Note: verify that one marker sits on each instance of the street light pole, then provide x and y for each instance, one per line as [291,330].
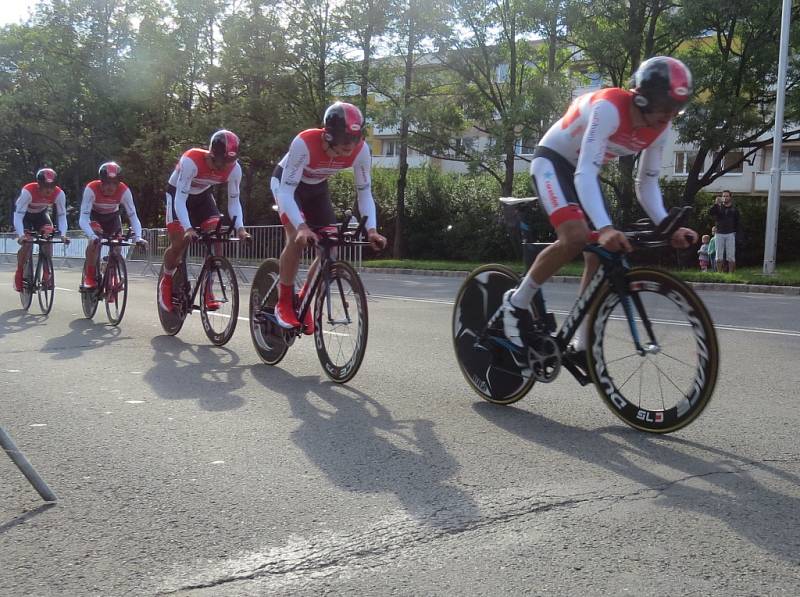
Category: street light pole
[774,199]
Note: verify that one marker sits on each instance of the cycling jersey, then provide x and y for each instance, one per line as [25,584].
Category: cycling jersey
[95,204]
[32,200]
[193,176]
[307,162]
[597,128]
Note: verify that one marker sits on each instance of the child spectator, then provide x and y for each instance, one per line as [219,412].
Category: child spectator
[712,249]
[703,253]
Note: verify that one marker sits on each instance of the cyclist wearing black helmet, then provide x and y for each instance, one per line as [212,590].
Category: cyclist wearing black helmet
[100,214]
[599,127]
[30,213]
[300,187]
[191,205]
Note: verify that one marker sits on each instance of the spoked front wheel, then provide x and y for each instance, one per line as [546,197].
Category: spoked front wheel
[668,386]
[490,364]
[116,291]
[89,298]
[172,321]
[268,339]
[219,301]
[28,283]
[340,323]
[45,283]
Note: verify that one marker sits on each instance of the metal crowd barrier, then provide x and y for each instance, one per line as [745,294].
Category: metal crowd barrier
[266,242]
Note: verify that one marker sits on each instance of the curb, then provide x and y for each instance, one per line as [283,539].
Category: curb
[715,286]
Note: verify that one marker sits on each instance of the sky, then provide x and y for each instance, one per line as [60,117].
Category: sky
[14,11]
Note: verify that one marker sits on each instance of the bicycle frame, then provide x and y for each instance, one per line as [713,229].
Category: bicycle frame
[209,240]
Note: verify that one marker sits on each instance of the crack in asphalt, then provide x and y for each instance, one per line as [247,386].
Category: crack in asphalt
[391,537]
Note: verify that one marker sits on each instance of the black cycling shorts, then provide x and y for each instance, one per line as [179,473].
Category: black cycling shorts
[37,221]
[314,201]
[201,207]
[109,224]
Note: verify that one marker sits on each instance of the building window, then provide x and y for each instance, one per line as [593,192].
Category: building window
[389,147]
[729,159]
[524,146]
[684,161]
[790,160]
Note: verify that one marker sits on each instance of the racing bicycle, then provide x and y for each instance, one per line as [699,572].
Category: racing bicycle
[215,287]
[42,281]
[652,348]
[337,297]
[111,282]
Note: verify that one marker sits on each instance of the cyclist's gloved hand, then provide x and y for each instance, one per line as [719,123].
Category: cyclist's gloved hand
[22,239]
[141,242]
[94,238]
[683,238]
[613,240]
[376,240]
[190,234]
[242,233]
[305,236]
[65,240]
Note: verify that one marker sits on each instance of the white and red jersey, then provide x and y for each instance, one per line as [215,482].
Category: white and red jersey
[597,128]
[32,200]
[308,162]
[193,175]
[95,200]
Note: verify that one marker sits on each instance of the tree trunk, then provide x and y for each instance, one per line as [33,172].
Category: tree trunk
[365,68]
[397,251]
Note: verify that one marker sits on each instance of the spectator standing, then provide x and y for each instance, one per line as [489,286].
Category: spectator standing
[727,219]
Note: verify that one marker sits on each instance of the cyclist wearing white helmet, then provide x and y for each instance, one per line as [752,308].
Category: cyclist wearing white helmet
[599,127]
[300,187]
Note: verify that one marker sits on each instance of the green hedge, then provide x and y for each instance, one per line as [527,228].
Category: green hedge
[458,217]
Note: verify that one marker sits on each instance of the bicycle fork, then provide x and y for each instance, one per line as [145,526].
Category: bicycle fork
[632,305]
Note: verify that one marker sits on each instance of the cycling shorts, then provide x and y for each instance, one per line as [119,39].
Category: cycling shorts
[106,224]
[201,207]
[314,201]
[39,222]
[554,181]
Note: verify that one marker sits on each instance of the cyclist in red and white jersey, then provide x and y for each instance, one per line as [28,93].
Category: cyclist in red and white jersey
[599,127]
[30,213]
[191,205]
[300,187]
[100,214]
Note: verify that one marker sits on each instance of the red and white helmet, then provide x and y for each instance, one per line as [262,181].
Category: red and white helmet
[46,176]
[109,172]
[662,84]
[224,145]
[343,123]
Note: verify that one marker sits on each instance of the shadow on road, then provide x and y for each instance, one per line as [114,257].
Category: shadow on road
[84,335]
[208,374]
[22,518]
[18,320]
[730,494]
[357,443]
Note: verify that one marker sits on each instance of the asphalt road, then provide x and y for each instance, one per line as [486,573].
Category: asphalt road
[192,470]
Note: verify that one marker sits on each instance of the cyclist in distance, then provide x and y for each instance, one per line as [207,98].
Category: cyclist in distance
[100,214]
[300,187]
[599,127]
[30,213]
[191,204]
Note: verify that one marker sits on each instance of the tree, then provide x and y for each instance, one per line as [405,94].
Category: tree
[734,63]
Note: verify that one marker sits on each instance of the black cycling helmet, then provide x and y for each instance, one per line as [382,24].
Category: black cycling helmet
[46,177]
[662,84]
[224,145]
[343,123]
[109,172]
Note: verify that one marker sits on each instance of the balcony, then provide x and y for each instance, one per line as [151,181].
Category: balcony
[790,182]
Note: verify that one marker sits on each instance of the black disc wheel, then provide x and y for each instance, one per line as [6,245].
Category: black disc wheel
[116,289]
[172,321]
[492,366]
[45,283]
[219,301]
[668,384]
[28,283]
[340,323]
[89,297]
[268,338]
